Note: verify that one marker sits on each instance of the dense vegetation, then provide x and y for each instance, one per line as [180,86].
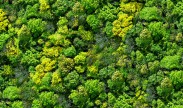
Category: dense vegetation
[91,53]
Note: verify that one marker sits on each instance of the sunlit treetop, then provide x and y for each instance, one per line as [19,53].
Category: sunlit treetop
[3,21]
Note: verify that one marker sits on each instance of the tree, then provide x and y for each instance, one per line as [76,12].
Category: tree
[122,25]
[145,39]
[36,104]
[70,52]
[177,11]
[3,39]
[11,92]
[44,5]
[177,78]
[94,88]
[58,39]
[79,96]
[93,21]
[48,99]
[90,5]
[62,26]
[116,83]
[24,36]
[80,58]
[36,26]
[66,66]
[170,62]
[60,7]
[130,7]
[106,72]
[3,21]
[31,11]
[47,65]
[165,88]
[51,52]
[108,13]
[154,66]
[158,31]
[85,35]
[30,58]
[123,101]
[71,80]
[56,78]
[17,104]
[45,81]
[108,29]
[150,14]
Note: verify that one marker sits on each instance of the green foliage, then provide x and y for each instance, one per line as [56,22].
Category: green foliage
[60,7]
[176,77]
[122,25]
[79,96]
[71,80]
[11,92]
[31,11]
[165,88]
[24,35]
[158,31]
[70,52]
[17,104]
[80,58]
[65,66]
[94,87]
[108,13]
[3,39]
[150,14]
[48,99]
[90,5]
[145,39]
[178,9]
[123,101]
[108,29]
[91,53]
[116,82]
[30,58]
[170,62]
[85,35]
[36,26]
[93,22]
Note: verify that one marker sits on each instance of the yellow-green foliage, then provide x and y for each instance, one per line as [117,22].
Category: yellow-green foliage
[125,17]
[56,78]
[91,53]
[81,58]
[85,35]
[124,61]
[78,8]
[80,69]
[63,30]
[51,52]
[58,39]
[117,76]
[44,5]
[7,70]
[122,25]
[131,7]
[92,70]
[80,61]
[3,20]
[12,48]
[47,65]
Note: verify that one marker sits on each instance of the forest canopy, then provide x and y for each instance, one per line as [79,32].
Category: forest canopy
[91,53]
